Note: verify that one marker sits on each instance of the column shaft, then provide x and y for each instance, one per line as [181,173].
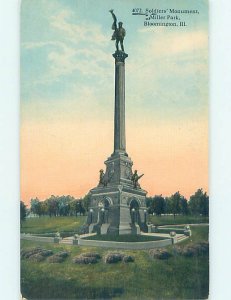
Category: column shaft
[119,114]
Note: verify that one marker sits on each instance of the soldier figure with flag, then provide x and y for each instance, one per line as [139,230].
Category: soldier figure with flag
[119,32]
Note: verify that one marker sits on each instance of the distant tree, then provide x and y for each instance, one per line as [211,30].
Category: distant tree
[63,204]
[184,210]
[168,205]
[199,203]
[158,205]
[174,202]
[82,210]
[35,205]
[44,208]
[148,204]
[23,212]
[86,201]
[52,204]
[74,207]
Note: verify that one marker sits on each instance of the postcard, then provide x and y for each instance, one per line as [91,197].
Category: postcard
[114,149]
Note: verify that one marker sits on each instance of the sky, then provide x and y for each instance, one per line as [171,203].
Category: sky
[67,96]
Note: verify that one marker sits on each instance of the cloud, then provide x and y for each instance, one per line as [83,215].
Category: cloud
[170,71]
[77,33]
[71,51]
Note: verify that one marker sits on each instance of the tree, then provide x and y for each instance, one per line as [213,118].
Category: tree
[199,203]
[44,208]
[82,210]
[183,206]
[52,203]
[175,203]
[168,205]
[86,201]
[23,212]
[158,205]
[35,205]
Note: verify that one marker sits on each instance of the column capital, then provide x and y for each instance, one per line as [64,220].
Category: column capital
[120,56]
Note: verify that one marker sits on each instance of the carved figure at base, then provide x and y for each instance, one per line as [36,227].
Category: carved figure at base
[119,32]
[103,179]
[135,178]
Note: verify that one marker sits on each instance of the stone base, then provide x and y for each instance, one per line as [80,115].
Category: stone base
[113,205]
[125,229]
[104,228]
[135,229]
[116,201]
[91,227]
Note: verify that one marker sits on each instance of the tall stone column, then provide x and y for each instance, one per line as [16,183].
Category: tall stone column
[119,114]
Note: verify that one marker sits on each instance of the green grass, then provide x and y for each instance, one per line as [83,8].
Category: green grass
[170,220]
[53,224]
[124,238]
[176,278]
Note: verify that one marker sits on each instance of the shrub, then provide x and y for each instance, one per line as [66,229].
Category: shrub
[36,257]
[58,257]
[112,258]
[46,253]
[55,259]
[159,253]
[92,254]
[27,253]
[189,251]
[63,254]
[128,258]
[203,248]
[84,260]
[193,250]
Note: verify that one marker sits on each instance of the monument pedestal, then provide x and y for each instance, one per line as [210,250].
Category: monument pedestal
[116,202]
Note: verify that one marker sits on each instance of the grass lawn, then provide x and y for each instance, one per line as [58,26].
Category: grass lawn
[53,224]
[170,220]
[175,278]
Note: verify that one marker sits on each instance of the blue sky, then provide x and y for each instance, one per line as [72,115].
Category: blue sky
[66,51]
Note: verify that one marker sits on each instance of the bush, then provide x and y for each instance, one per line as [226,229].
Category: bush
[112,258]
[55,259]
[36,257]
[92,254]
[128,258]
[58,257]
[189,251]
[62,254]
[46,253]
[204,247]
[159,253]
[84,260]
[193,250]
[27,253]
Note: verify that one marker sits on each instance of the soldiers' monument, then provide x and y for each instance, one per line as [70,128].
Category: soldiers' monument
[118,203]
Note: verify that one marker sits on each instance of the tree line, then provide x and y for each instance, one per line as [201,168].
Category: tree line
[56,206]
[198,204]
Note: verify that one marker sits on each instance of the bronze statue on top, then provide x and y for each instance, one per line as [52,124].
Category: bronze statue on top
[119,32]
